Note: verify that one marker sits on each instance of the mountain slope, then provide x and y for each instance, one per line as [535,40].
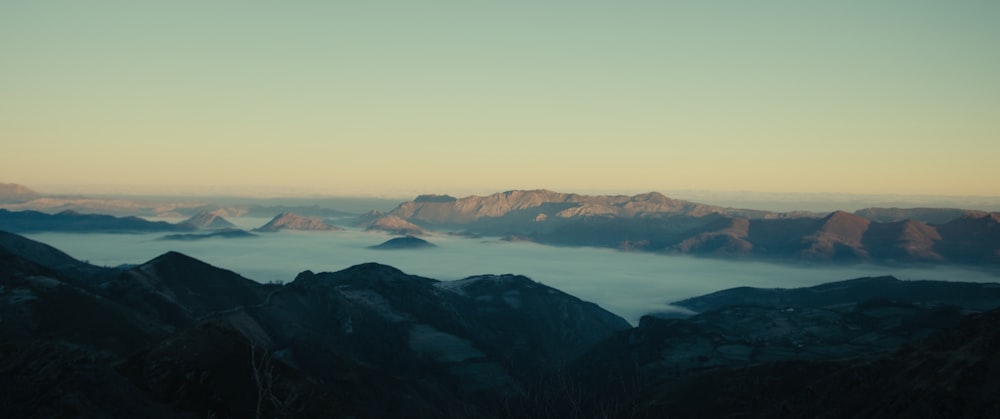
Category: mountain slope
[178,289]
[968,295]
[950,374]
[50,257]
[747,346]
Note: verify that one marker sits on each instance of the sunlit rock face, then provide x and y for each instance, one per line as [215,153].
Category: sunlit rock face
[292,221]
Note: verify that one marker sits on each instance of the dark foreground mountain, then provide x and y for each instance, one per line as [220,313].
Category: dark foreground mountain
[653,222]
[950,374]
[176,337]
[763,352]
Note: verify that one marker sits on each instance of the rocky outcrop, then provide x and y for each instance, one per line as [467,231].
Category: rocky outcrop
[292,221]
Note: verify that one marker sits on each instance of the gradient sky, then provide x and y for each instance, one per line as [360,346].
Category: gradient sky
[389,97]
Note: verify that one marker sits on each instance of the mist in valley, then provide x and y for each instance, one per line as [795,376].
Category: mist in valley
[629,284]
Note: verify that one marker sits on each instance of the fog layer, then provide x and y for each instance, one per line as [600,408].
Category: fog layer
[629,284]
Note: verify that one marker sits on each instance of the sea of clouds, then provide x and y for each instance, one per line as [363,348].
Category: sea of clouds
[629,284]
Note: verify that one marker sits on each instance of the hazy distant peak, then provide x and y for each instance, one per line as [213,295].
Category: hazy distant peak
[12,192]
[208,220]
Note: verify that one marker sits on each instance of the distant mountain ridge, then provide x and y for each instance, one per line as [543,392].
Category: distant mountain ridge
[29,221]
[446,210]
[645,222]
[12,192]
[208,220]
[654,222]
[292,221]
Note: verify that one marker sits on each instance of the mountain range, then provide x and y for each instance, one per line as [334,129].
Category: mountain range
[217,226]
[653,222]
[72,221]
[177,337]
[648,222]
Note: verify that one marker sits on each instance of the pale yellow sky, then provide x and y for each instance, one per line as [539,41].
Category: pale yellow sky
[382,98]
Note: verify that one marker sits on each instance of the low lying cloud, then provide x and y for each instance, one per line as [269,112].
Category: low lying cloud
[629,284]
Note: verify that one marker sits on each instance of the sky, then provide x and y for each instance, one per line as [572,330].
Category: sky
[397,97]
